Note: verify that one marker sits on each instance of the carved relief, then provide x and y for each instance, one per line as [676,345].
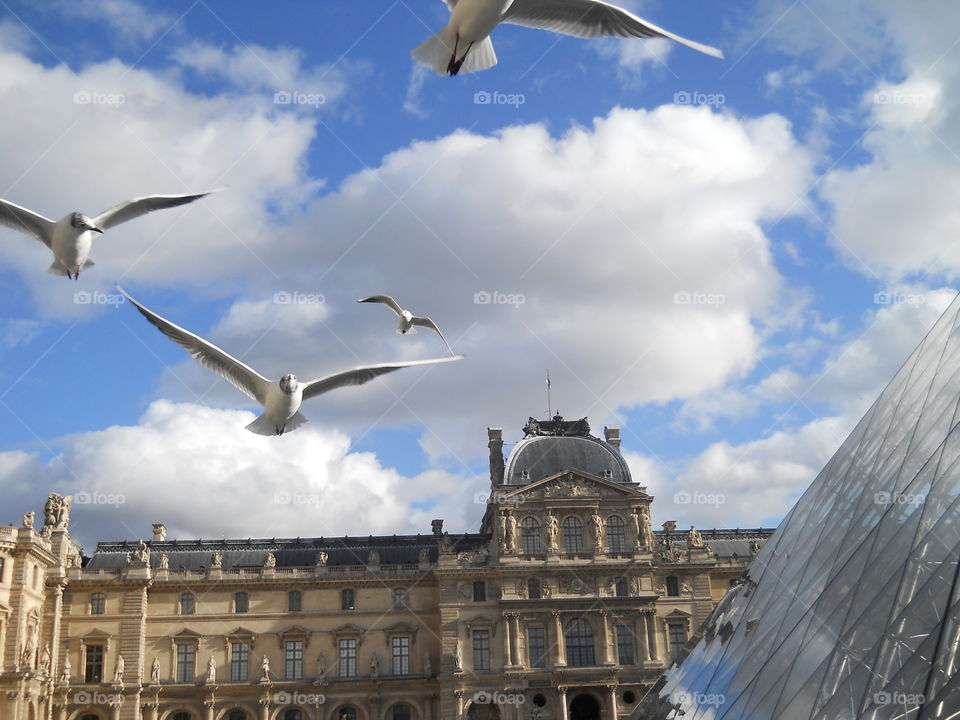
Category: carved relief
[576,586]
[56,511]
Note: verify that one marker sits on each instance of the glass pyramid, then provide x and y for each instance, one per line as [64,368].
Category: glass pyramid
[852,608]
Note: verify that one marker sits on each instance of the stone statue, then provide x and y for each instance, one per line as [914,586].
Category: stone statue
[271,561]
[596,527]
[28,519]
[46,531]
[164,562]
[427,668]
[423,556]
[374,666]
[216,561]
[457,657]
[553,533]
[155,672]
[67,670]
[694,538]
[28,657]
[513,533]
[56,511]
[142,553]
[503,537]
[321,666]
[128,559]
[446,543]
[45,660]
[265,668]
[635,530]
[686,589]
[755,547]
[211,670]
[118,670]
[373,558]
[645,529]
[322,559]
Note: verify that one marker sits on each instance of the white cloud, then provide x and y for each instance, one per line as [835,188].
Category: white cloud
[124,478]
[126,18]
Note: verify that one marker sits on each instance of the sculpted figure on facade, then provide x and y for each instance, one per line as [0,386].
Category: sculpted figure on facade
[457,657]
[67,670]
[322,559]
[265,668]
[142,554]
[44,666]
[321,667]
[646,530]
[28,518]
[513,533]
[56,511]
[373,558]
[596,529]
[271,561]
[694,538]
[427,667]
[374,666]
[423,556]
[216,561]
[118,670]
[155,672]
[553,533]
[211,670]
[164,562]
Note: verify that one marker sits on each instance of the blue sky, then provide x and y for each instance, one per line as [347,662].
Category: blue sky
[699,245]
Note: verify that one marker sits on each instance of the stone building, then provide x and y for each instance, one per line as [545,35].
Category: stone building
[566,605]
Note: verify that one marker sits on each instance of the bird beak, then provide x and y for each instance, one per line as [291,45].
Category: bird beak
[97,230]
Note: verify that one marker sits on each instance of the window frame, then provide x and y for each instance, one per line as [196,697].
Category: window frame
[294,601]
[479,591]
[102,647]
[580,645]
[672,585]
[615,530]
[537,661]
[241,608]
[531,542]
[572,528]
[293,662]
[348,599]
[351,646]
[624,637]
[180,676]
[239,662]
[481,652]
[399,599]
[184,608]
[401,659]
[98,603]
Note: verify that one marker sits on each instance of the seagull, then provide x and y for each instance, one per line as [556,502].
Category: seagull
[407,319]
[70,239]
[464,44]
[281,399]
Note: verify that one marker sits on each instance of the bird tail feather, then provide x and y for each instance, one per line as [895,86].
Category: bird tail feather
[480,57]
[435,52]
[266,426]
[58,268]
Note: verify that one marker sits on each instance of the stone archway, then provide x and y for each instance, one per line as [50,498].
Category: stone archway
[483,711]
[584,707]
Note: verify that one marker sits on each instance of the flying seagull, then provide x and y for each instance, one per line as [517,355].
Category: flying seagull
[464,44]
[407,319]
[280,400]
[70,239]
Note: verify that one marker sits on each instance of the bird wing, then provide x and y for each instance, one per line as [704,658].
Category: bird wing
[363,374]
[384,300]
[141,206]
[209,355]
[428,323]
[589,19]
[26,221]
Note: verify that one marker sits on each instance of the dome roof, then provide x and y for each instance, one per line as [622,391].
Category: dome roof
[540,456]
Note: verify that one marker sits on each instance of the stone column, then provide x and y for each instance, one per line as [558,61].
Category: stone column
[265,707]
[613,701]
[508,641]
[515,618]
[153,710]
[458,694]
[605,629]
[60,710]
[560,660]
[562,697]
[640,630]
[209,704]
[652,636]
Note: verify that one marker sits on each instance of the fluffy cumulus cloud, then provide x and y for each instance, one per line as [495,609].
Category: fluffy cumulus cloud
[198,471]
[91,138]
[577,253]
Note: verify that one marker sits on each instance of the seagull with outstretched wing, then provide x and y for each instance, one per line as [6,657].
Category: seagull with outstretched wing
[71,238]
[280,400]
[464,45]
[408,321]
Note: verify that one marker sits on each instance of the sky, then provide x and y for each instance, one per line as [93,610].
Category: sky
[728,259]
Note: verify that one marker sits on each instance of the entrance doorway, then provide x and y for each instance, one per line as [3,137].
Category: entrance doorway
[584,707]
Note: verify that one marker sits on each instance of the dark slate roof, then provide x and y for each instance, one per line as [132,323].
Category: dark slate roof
[725,543]
[541,456]
[289,552]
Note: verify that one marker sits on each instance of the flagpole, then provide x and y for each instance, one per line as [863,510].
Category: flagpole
[549,404]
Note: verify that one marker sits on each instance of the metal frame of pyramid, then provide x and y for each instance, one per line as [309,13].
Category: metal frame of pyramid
[852,608]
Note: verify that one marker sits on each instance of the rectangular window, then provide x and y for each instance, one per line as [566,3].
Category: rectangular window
[293,660]
[241,602]
[400,649]
[481,649]
[1,569]
[399,599]
[678,638]
[186,656]
[625,653]
[348,657]
[479,591]
[239,661]
[97,604]
[347,600]
[294,599]
[537,646]
[93,664]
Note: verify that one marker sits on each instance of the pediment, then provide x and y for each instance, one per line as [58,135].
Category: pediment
[241,632]
[96,634]
[678,614]
[401,629]
[187,634]
[573,484]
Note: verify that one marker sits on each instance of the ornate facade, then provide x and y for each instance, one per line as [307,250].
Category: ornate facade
[566,605]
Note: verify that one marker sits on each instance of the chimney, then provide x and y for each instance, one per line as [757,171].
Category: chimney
[495,437]
[437,526]
[159,532]
[612,436]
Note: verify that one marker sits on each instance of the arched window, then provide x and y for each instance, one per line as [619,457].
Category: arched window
[97,603]
[530,536]
[188,604]
[579,638]
[347,713]
[241,602]
[89,716]
[616,542]
[346,600]
[237,715]
[673,586]
[292,714]
[572,535]
[182,715]
[401,711]
[533,589]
